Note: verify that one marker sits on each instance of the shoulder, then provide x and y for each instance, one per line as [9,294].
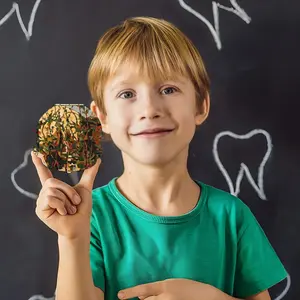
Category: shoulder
[216,198]
[226,209]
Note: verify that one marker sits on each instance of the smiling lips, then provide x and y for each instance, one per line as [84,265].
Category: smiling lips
[154,132]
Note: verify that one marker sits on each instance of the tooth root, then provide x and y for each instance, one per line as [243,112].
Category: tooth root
[234,188]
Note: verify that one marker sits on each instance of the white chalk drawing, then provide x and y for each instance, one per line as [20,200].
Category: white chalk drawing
[27,156]
[16,9]
[16,170]
[215,29]
[74,176]
[259,187]
[244,170]
[285,291]
[41,297]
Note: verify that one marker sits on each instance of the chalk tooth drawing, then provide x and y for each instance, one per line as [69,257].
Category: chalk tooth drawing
[215,29]
[23,165]
[244,170]
[16,170]
[285,291]
[74,176]
[41,297]
[16,9]
[259,187]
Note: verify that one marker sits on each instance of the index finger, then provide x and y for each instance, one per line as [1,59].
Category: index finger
[142,290]
[43,172]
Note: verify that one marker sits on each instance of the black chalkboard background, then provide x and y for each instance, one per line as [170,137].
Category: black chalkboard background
[255,80]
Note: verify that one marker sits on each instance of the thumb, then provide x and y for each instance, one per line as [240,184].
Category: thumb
[89,175]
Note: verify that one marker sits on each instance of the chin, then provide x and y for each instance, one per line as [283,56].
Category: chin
[156,156]
[157,159]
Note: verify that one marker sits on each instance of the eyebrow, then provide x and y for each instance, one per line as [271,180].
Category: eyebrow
[124,82]
[119,83]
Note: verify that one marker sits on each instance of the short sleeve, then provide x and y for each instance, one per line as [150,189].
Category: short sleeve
[96,255]
[258,267]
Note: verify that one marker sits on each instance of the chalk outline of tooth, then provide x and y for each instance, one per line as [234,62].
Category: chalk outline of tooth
[16,9]
[16,170]
[215,30]
[243,168]
[73,176]
[285,291]
[40,297]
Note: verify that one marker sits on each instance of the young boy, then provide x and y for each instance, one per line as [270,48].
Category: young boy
[154,232]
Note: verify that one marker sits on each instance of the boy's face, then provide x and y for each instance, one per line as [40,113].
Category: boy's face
[135,104]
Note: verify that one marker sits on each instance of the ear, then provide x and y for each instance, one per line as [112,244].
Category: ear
[202,114]
[101,116]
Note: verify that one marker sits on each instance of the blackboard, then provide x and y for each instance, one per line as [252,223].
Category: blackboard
[249,145]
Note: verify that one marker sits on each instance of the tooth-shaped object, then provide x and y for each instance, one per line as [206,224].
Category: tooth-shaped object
[16,9]
[16,170]
[215,29]
[244,170]
[74,176]
[40,297]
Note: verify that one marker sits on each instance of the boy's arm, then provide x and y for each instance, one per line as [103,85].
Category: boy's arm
[100,294]
[74,280]
[261,296]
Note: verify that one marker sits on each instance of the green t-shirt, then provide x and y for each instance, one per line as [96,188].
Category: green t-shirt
[219,242]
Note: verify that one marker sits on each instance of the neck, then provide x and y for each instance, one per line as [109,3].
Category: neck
[163,190]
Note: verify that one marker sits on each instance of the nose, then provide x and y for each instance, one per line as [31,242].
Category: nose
[151,106]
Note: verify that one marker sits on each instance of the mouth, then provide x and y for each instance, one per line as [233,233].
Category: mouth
[154,132]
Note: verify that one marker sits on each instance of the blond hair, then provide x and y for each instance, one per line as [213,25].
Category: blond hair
[159,49]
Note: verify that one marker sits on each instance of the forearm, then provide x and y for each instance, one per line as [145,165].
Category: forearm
[220,295]
[74,279]
[227,297]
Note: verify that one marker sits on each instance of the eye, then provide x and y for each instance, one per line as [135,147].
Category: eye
[127,95]
[168,90]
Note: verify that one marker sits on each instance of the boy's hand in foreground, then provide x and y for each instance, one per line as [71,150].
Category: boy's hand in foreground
[63,208]
[174,289]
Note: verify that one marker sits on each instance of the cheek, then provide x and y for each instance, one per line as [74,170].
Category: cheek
[119,122]
[187,123]
[185,116]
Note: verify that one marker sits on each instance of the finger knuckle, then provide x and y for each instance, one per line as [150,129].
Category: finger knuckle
[50,200]
[50,191]
[50,181]
[74,195]
[57,193]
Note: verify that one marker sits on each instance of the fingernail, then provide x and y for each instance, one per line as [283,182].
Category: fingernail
[72,209]
[120,295]
[77,199]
